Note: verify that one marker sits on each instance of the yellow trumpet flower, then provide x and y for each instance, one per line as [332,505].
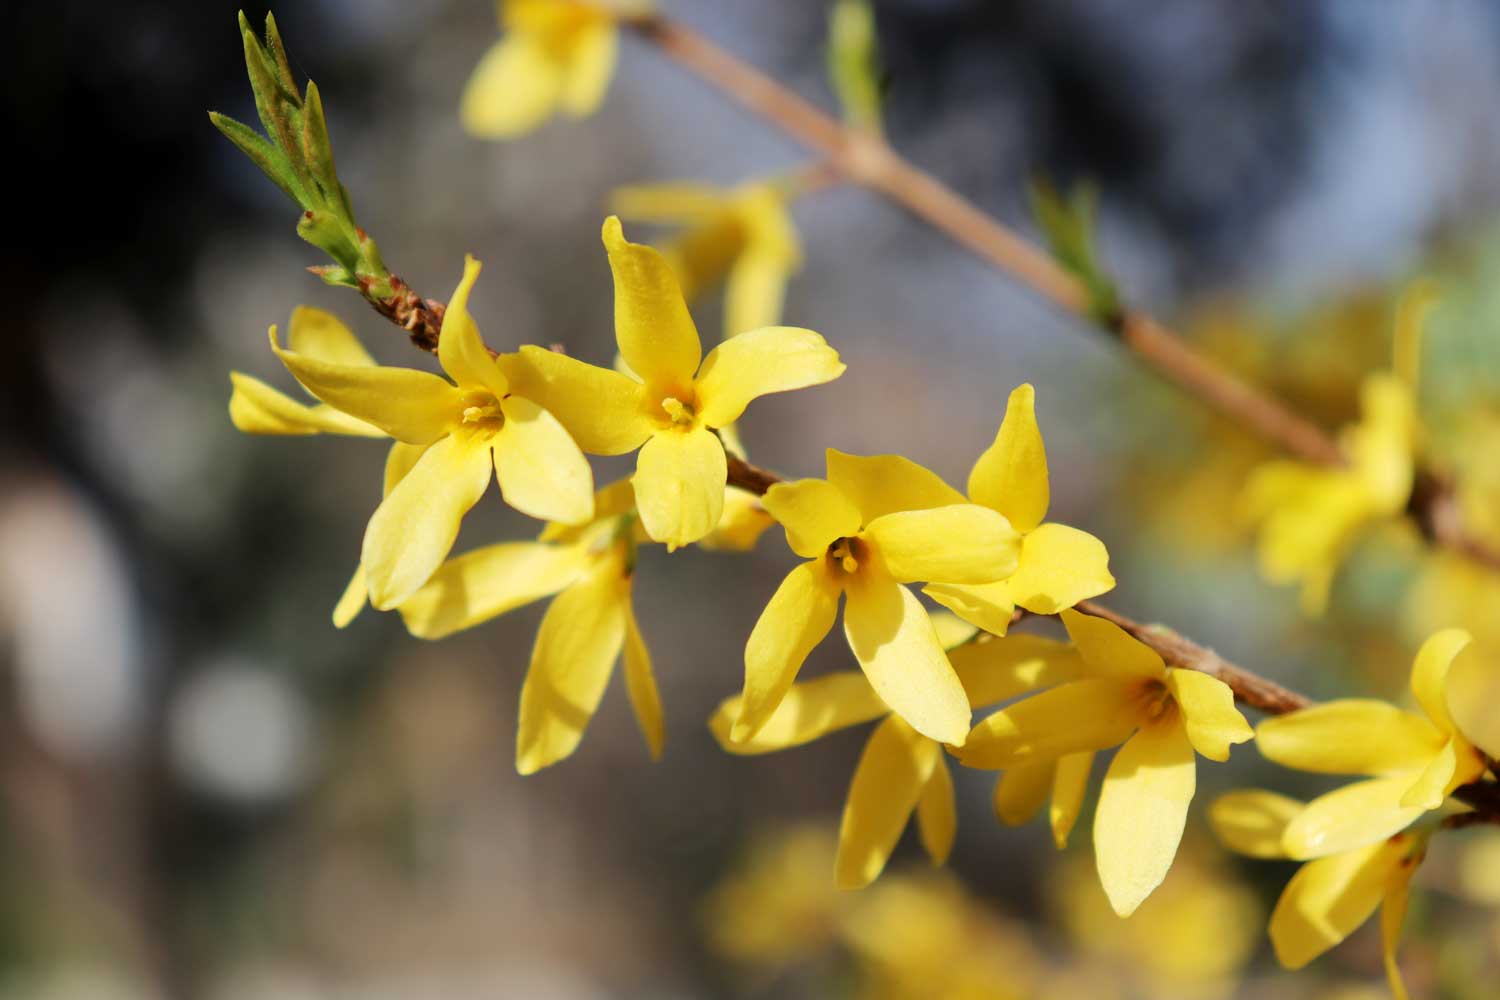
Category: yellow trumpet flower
[586,628]
[1329,898]
[679,398]
[556,56]
[464,428]
[901,772]
[1416,760]
[1128,695]
[874,524]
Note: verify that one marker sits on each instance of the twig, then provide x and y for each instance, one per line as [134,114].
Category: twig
[867,160]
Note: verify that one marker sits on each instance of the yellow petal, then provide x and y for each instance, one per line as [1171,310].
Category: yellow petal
[899,651]
[1069,787]
[952,631]
[744,520]
[314,333]
[1393,914]
[1473,696]
[883,484]
[1253,821]
[256,408]
[1429,674]
[894,768]
[515,87]
[1348,736]
[398,462]
[1142,811]
[1350,817]
[679,485]
[1071,718]
[1433,783]
[808,711]
[1011,475]
[937,814]
[461,350]
[964,543]
[590,65]
[656,335]
[1110,651]
[1022,790]
[1329,898]
[413,406]
[488,582]
[1380,446]
[796,619]
[603,410]
[576,647]
[540,470]
[640,685]
[986,605]
[758,362]
[999,669]
[413,528]
[1059,566]
[353,600]
[754,292]
[1207,704]
[814,514]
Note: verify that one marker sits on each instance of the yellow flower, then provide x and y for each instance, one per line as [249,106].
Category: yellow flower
[1059,566]
[1329,898]
[743,236]
[1126,694]
[900,771]
[583,633]
[556,56]
[1311,517]
[874,524]
[1416,760]
[464,431]
[675,405]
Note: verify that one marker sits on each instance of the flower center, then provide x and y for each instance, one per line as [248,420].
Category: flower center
[482,413]
[681,414]
[1155,699]
[845,554]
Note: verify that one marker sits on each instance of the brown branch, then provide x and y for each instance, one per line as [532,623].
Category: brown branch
[867,160]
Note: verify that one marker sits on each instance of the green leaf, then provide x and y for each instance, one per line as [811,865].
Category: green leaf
[267,157]
[854,62]
[1067,223]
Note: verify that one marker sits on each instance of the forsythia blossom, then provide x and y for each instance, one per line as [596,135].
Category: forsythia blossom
[1329,898]
[1161,714]
[680,397]
[743,237]
[900,771]
[586,627]
[470,430]
[873,525]
[1059,566]
[1417,760]
[1310,517]
[556,56]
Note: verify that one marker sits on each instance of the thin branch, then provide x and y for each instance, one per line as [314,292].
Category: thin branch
[867,160]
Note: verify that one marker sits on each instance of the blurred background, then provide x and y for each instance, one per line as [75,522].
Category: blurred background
[208,791]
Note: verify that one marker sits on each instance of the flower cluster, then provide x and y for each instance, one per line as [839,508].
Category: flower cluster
[867,533]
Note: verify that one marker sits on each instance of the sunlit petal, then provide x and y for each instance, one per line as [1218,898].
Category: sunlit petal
[656,335]
[1207,704]
[1329,898]
[899,651]
[603,410]
[461,350]
[1142,812]
[893,770]
[1253,821]
[814,514]
[1350,817]
[1349,736]
[1059,566]
[640,685]
[1022,790]
[590,65]
[1429,674]
[256,408]
[937,814]
[986,605]
[963,543]
[540,470]
[515,87]
[1011,475]
[796,619]
[314,333]
[807,711]
[1072,718]
[1110,651]
[679,485]
[999,669]
[761,361]
[883,484]
[1069,787]
[488,582]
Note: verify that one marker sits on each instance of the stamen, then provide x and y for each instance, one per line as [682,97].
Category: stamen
[680,412]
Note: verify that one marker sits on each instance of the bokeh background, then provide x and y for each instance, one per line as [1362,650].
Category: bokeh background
[210,792]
